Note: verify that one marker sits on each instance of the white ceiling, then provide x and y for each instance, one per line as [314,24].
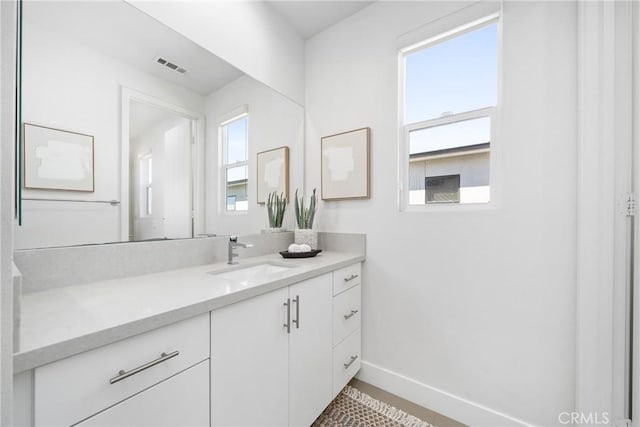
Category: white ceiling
[123,32]
[309,17]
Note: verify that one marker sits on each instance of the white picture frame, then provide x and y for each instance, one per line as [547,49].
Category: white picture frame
[273,173]
[56,159]
[345,164]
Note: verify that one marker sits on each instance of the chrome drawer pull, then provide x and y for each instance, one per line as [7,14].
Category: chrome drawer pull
[124,374]
[350,278]
[350,315]
[353,359]
[297,319]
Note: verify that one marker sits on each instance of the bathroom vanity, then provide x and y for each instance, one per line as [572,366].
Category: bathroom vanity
[285,378]
[267,342]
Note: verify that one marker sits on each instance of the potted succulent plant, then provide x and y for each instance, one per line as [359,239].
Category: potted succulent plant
[276,205]
[304,219]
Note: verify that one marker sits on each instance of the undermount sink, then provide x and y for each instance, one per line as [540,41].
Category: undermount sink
[244,274]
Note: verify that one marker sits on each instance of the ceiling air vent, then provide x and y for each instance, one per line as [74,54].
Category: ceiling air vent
[169,64]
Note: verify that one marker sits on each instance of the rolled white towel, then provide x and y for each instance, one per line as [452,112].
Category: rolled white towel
[294,248]
[299,248]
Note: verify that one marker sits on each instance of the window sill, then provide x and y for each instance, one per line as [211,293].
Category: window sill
[235,213]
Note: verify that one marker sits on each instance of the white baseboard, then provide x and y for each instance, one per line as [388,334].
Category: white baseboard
[455,407]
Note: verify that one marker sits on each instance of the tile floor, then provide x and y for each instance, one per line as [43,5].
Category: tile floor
[424,414]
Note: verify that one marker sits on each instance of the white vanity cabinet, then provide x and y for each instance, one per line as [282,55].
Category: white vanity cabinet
[310,350]
[347,310]
[280,358]
[272,357]
[76,388]
[276,359]
[249,364]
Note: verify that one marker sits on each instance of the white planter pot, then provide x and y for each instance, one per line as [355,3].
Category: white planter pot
[274,230]
[306,236]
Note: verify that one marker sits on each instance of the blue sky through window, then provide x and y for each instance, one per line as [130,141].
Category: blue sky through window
[454,76]
[237,140]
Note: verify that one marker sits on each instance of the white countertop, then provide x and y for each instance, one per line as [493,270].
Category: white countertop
[61,322]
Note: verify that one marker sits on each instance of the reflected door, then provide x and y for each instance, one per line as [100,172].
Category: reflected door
[161,174]
[177,198]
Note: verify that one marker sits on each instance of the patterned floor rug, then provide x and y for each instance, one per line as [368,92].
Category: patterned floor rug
[352,408]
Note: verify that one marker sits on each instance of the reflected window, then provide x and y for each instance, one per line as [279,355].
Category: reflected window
[234,135]
[231,203]
[450,93]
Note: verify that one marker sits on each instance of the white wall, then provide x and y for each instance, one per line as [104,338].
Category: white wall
[247,34]
[274,121]
[69,86]
[480,305]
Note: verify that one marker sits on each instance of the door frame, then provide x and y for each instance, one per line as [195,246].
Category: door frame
[197,157]
[635,362]
[606,179]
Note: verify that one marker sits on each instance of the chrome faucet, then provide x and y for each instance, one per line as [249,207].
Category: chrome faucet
[233,243]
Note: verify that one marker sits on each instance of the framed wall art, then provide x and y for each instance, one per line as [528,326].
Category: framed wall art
[273,173]
[56,159]
[345,165]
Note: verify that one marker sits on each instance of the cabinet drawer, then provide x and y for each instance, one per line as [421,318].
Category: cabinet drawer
[346,361]
[346,313]
[72,389]
[182,400]
[346,278]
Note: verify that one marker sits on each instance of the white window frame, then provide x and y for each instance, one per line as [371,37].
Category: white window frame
[237,114]
[458,25]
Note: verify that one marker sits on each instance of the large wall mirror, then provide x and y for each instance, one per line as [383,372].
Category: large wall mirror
[158,108]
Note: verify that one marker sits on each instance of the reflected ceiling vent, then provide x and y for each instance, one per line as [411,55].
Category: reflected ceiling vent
[169,64]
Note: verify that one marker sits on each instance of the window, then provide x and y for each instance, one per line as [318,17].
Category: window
[146,182]
[449,96]
[234,137]
[442,189]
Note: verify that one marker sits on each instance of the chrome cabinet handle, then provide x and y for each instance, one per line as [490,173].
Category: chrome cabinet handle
[126,374]
[297,319]
[288,324]
[350,315]
[353,359]
[350,278]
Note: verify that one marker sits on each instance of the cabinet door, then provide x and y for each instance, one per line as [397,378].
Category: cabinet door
[182,400]
[310,349]
[249,362]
